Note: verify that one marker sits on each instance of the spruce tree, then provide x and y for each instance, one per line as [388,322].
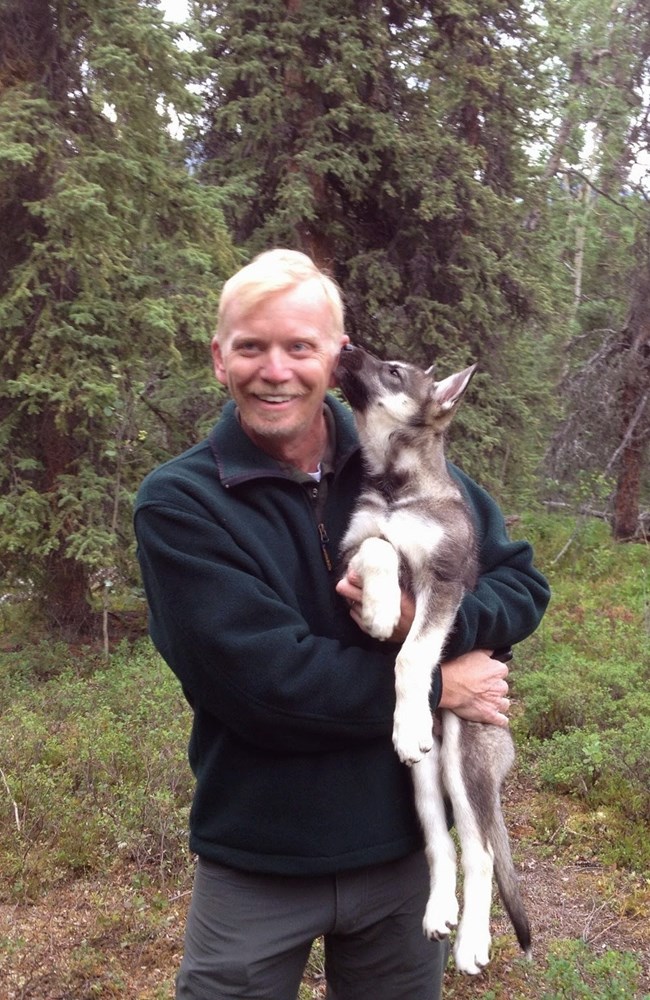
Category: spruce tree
[110,260]
[388,140]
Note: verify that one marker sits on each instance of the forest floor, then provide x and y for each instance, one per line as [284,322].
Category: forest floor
[83,767]
[121,936]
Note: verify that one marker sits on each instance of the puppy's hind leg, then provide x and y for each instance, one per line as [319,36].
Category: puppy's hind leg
[473,940]
[441,914]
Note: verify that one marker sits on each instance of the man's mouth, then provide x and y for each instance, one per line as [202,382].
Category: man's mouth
[275,399]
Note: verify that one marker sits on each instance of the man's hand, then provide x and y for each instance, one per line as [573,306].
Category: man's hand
[474,686]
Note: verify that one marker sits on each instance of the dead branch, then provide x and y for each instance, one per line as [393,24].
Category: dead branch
[585,510]
[638,413]
[601,191]
[13,801]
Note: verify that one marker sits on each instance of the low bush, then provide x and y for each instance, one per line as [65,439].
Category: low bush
[94,768]
[582,682]
[574,971]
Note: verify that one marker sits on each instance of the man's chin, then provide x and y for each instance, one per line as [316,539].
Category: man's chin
[272,428]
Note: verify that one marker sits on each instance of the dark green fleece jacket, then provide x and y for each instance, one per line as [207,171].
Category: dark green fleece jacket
[291,740]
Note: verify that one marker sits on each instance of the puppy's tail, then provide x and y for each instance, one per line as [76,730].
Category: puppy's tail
[508,883]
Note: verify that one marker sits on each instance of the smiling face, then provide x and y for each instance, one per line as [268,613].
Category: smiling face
[277,359]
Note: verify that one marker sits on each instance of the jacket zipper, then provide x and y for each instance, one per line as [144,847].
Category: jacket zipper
[322,530]
[324,546]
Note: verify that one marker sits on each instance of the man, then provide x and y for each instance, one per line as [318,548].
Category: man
[303,818]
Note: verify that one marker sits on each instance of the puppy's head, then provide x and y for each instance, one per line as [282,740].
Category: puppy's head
[397,394]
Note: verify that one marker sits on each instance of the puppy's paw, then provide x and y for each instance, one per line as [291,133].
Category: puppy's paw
[440,916]
[381,607]
[412,734]
[472,951]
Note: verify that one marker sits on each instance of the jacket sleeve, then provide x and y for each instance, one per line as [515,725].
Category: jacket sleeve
[510,597]
[243,654]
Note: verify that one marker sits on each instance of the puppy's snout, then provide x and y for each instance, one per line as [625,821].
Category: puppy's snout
[351,358]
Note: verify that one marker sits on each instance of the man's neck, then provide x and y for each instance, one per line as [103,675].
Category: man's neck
[305,454]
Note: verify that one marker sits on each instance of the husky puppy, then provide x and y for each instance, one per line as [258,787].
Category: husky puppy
[411,529]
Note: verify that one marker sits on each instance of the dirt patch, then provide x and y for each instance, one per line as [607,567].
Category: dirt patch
[92,939]
[567,902]
[117,939]
[121,936]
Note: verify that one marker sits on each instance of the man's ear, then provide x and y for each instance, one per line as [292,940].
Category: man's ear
[217,361]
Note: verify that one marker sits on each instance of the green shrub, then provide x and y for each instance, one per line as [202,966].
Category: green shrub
[562,689]
[573,971]
[582,682]
[95,769]
[610,767]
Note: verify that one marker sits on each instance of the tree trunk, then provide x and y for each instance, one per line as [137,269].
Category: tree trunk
[308,233]
[634,409]
[64,589]
[67,608]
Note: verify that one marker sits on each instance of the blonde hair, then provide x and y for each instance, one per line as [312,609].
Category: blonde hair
[270,272]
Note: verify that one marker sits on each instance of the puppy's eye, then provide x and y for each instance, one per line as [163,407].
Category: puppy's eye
[395,372]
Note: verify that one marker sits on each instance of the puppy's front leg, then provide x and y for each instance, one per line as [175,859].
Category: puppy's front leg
[418,659]
[414,667]
[377,564]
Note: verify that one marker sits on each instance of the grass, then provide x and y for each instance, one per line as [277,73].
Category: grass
[95,790]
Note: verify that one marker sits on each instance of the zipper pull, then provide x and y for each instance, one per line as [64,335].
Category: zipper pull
[324,542]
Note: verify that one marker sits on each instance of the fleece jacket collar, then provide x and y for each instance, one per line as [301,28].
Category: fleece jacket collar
[239,460]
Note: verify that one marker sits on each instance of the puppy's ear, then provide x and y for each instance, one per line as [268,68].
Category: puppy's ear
[447,394]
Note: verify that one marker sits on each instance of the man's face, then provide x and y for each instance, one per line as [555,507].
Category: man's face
[278,361]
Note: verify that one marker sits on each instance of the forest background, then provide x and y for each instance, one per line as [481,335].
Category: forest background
[475,177]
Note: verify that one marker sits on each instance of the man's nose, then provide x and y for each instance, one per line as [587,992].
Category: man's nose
[275,367]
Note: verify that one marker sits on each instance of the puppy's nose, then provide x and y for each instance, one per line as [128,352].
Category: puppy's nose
[349,347]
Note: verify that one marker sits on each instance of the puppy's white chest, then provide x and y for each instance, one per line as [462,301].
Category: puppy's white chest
[417,538]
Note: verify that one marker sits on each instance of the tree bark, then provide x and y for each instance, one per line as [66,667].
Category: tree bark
[66,590]
[68,608]
[634,407]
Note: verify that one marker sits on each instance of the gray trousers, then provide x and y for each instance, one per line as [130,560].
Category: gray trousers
[248,936]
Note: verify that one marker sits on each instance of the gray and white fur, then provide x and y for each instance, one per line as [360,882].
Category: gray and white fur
[411,530]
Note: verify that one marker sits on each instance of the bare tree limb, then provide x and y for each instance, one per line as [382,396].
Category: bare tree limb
[601,191]
[638,413]
[603,515]
[13,801]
